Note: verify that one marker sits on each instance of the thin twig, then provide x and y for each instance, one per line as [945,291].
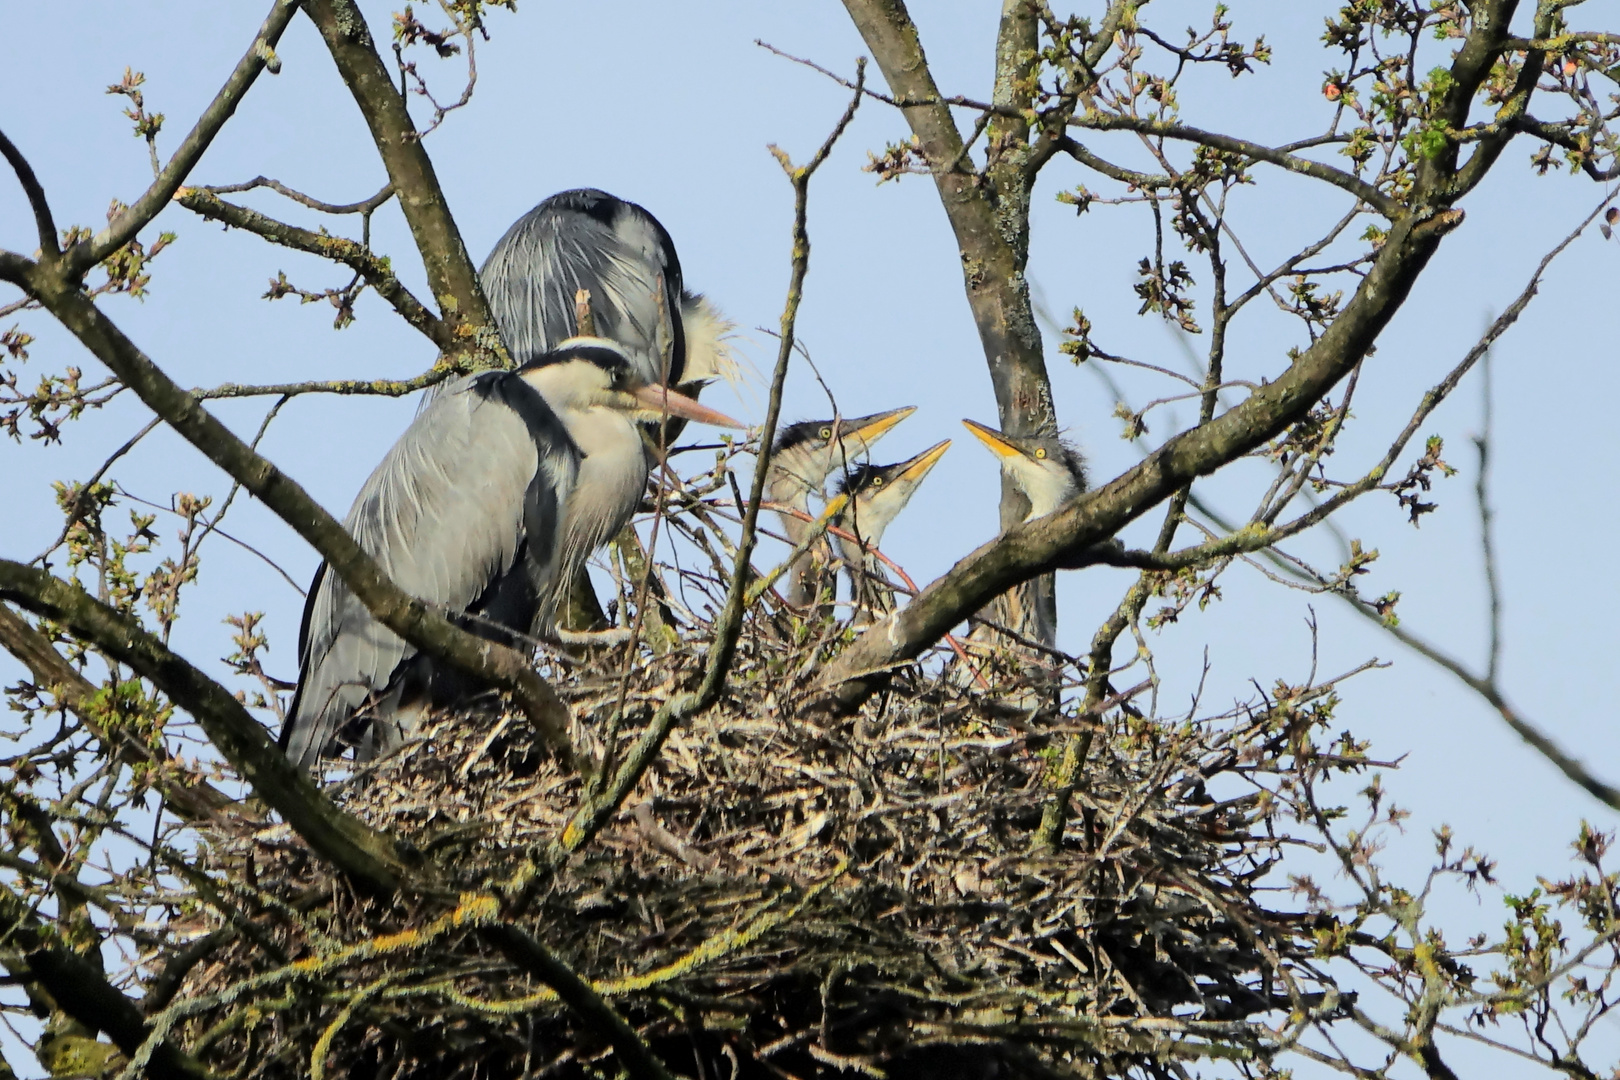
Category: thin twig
[594,811]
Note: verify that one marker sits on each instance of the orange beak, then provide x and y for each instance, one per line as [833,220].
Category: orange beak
[667,402]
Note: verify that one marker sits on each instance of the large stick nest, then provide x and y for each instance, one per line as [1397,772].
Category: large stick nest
[786,894]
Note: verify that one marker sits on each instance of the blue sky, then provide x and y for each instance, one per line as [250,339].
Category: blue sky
[673,106]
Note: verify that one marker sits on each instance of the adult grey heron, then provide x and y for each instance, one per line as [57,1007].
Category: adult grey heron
[626,262]
[619,253]
[1049,472]
[802,458]
[876,494]
[501,487]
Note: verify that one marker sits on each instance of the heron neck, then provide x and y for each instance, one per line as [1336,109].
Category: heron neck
[612,477]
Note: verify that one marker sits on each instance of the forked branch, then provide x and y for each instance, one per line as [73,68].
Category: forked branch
[375,270]
[1063,538]
[191,797]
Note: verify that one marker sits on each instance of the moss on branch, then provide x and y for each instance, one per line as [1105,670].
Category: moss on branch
[371,858]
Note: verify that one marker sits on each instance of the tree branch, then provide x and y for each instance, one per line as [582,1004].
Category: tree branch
[450,273]
[1367,193]
[1571,767]
[377,271]
[531,956]
[1438,178]
[193,798]
[368,856]
[1240,541]
[1145,181]
[992,256]
[364,206]
[83,992]
[43,222]
[1037,546]
[1561,136]
[344,387]
[129,221]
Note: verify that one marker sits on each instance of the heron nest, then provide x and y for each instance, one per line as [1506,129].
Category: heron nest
[786,893]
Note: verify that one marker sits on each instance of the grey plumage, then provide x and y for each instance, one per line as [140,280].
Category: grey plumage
[463,513]
[588,239]
[501,488]
[619,253]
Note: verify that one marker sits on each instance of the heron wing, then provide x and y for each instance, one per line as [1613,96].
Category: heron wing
[475,483]
[588,240]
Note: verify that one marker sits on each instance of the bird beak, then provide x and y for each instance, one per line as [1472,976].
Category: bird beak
[993,439]
[663,401]
[869,429]
[918,467]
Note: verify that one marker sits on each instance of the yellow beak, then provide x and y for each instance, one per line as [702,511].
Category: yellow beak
[993,439]
[918,467]
[877,428]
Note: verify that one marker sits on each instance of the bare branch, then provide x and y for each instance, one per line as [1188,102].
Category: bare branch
[1145,181]
[364,206]
[450,273]
[123,227]
[377,271]
[1543,744]
[344,387]
[1367,193]
[43,222]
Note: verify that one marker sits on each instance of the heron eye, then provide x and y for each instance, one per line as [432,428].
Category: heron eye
[826,433]
[877,481]
[1040,452]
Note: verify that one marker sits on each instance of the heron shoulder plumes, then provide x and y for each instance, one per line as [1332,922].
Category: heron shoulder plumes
[614,249]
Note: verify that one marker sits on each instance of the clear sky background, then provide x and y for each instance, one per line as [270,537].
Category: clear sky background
[673,106]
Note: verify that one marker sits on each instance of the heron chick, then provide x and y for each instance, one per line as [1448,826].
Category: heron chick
[498,491]
[876,494]
[802,458]
[1049,472]
[1046,469]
